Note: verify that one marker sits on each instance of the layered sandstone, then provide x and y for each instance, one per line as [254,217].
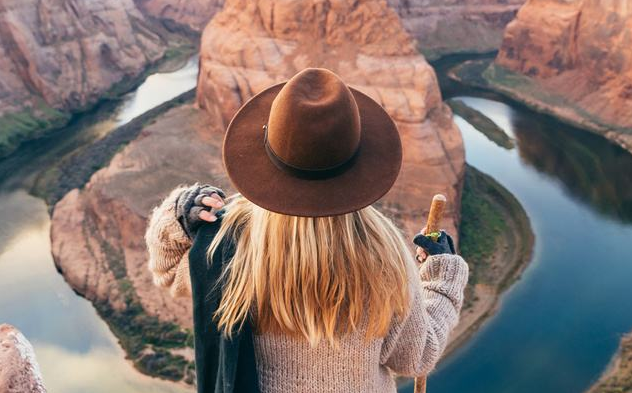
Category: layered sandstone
[70,52]
[103,224]
[59,56]
[579,53]
[250,45]
[456,26]
[192,13]
[19,371]
[97,234]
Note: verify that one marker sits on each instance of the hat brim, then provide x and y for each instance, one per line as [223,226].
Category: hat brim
[372,173]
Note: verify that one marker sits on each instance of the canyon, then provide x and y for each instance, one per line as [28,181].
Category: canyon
[97,231]
[58,57]
[456,26]
[573,60]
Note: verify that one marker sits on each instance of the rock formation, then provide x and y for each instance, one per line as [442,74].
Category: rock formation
[456,26]
[19,371]
[70,52]
[58,56]
[580,53]
[250,45]
[192,13]
[97,233]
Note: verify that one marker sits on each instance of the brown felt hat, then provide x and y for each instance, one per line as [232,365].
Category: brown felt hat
[312,146]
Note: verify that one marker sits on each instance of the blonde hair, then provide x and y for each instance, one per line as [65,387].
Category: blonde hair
[315,277]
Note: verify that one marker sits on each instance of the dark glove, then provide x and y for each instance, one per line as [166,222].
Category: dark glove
[443,245]
[189,205]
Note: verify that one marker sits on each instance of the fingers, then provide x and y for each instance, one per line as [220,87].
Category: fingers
[424,242]
[213,201]
[420,254]
[210,190]
[202,213]
[208,216]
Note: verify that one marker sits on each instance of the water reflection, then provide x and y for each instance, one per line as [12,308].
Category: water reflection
[559,326]
[591,169]
[76,350]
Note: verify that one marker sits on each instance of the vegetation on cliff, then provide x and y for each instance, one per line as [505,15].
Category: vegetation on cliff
[146,340]
[496,240]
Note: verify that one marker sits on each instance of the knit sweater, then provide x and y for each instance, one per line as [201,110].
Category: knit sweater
[412,346]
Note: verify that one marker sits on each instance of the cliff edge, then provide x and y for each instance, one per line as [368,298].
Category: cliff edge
[574,60]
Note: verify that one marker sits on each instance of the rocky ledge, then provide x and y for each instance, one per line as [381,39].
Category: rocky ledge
[572,59]
[19,372]
[194,14]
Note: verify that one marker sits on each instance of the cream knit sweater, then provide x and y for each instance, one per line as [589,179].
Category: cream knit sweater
[412,346]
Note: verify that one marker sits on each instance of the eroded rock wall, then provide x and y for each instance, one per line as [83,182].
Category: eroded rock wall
[70,52]
[581,51]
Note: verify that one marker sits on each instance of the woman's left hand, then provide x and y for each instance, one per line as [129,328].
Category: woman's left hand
[197,204]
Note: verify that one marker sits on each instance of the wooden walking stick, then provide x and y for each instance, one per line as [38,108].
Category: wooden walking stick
[432,230]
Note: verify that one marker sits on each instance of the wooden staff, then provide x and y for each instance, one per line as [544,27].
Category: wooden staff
[435,215]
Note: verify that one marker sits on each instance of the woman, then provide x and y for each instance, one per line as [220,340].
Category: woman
[298,284]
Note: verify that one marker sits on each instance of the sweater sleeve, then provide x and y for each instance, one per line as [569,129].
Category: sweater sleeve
[415,343]
[168,247]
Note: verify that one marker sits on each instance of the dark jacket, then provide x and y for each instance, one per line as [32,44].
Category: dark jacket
[223,365]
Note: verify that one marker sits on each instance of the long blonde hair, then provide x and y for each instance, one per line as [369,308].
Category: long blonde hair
[314,277]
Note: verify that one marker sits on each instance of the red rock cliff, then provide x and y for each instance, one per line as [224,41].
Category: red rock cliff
[580,51]
[70,52]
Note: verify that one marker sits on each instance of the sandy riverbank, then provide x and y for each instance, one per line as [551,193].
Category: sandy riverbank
[618,376]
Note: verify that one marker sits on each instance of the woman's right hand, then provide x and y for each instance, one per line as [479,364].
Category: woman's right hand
[198,204]
[426,246]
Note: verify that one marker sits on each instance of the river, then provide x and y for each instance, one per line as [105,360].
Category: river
[555,330]
[557,327]
[75,348]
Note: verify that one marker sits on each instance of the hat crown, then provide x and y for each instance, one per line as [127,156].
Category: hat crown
[314,122]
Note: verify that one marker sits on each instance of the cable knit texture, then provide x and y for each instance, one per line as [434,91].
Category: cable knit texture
[412,346]
[168,247]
